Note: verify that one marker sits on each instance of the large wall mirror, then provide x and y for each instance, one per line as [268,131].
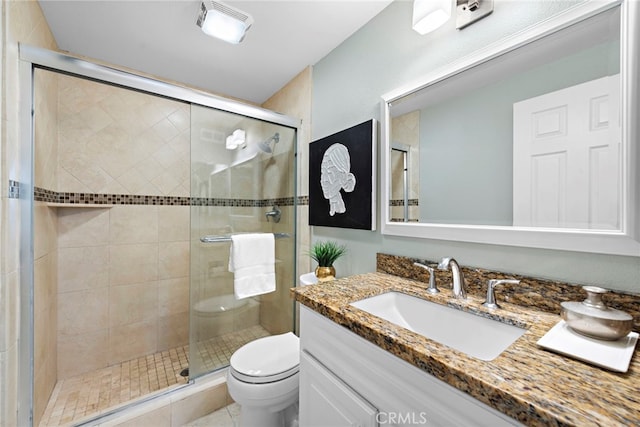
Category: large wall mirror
[530,142]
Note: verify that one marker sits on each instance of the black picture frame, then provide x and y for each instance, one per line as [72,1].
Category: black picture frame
[349,201]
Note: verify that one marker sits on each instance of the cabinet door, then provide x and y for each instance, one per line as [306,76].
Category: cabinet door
[327,401]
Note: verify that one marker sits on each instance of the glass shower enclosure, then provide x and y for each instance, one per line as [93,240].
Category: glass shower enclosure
[242,181]
[138,187]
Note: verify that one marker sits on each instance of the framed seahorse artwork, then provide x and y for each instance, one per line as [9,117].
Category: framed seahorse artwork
[342,181]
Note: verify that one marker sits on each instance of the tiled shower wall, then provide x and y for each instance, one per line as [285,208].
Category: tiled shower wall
[295,100]
[123,271]
[45,299]
[123,284]
[22,22]
[119,141]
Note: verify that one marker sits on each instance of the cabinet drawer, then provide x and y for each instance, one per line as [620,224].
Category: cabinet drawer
[325,400]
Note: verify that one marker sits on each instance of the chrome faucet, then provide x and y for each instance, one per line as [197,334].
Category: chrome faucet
[432,289]
[459,285]
[274,213]
[491,297]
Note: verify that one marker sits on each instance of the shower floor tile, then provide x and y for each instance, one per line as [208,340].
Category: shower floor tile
[90,394]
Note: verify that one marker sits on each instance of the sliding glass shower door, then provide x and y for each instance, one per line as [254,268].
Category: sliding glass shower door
[242,181]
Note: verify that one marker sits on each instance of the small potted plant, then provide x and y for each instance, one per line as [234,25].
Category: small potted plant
[325,254]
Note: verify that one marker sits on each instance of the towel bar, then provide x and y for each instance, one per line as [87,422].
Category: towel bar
[227,238]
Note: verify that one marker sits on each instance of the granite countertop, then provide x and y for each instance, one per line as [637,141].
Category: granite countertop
[526,382]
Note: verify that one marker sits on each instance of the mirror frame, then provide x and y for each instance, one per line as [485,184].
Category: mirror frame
[625,241]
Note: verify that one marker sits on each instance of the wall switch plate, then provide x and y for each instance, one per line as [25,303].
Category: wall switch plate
[466,16]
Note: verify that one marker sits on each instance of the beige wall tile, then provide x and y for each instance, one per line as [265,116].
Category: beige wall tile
[82,227]
[83,268]
[134,263]
[82,352]
[11,211]
[173,223]
[160,417]
[133,224]
[173,330]
[83,311]
[173,296]
[108,134]
[45,229]
[173,260]
[9,299]
[131,341]
[9,384]
[198,405]
[45,290]
[133,303]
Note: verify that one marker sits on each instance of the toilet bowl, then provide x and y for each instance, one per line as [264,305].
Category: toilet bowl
[223,314]
[263,379]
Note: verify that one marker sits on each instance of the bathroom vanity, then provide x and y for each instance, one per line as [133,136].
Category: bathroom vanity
[346,380]
[358,369]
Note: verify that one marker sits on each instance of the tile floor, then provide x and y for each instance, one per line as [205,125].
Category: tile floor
[88,395]
[225,417]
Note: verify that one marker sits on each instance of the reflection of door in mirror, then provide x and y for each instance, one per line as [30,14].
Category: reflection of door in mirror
[405,179]
[566,157]
[400,181]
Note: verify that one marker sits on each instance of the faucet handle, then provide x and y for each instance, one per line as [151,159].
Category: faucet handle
[491,297]
[432,289]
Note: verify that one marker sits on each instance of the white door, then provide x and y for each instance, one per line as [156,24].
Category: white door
[566,157]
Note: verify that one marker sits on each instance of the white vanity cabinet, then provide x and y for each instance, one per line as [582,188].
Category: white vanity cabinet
[347,381]
[328,401]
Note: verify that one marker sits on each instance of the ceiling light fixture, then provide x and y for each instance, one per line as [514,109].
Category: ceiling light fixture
[222,21]
[429,15]
[236,139]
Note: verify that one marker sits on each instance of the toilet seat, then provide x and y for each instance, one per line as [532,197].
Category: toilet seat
[267,359]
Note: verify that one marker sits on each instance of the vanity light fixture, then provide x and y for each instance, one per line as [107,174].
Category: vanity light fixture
[470,11]
[429,15]
[222,21]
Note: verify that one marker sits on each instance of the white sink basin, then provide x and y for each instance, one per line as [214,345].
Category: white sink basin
[476,336]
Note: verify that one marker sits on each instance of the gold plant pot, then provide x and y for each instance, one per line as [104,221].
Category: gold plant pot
[325,274]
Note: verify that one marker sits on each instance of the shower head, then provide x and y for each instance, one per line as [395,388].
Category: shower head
[266,145]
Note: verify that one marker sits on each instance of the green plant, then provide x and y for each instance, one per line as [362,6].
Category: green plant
[326,253]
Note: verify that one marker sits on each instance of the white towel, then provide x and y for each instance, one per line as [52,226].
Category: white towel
[252,260]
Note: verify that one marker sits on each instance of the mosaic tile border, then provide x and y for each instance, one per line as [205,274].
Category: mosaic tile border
[49,196]
[400,202]
[14,189]
[542,294]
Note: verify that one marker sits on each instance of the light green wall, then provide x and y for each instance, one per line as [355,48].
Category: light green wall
[467,141]
[385,54]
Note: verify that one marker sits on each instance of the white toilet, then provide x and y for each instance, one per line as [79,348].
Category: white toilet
[263,379]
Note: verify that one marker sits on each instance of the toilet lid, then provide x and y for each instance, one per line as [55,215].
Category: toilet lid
[267,359]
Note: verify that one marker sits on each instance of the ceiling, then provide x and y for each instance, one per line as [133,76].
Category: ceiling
[160,37]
